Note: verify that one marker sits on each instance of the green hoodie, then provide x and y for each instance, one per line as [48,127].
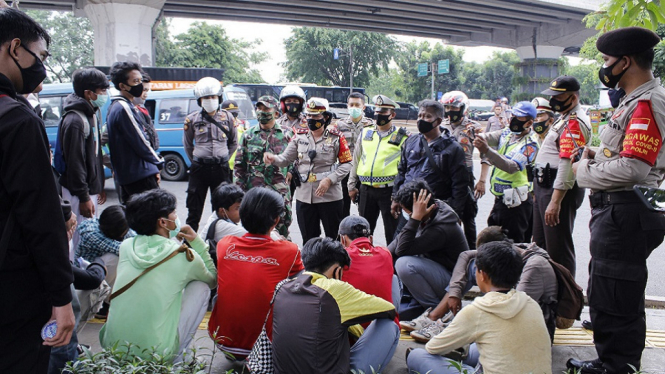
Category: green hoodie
[147,314]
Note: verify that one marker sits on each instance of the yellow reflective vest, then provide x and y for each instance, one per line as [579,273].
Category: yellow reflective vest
[380,156]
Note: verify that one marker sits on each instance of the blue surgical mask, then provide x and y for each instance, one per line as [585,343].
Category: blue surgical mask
[173,233]
[405,215]
[102,99]
[355,112]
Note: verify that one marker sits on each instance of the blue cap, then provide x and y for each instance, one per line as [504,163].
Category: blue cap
[525,109]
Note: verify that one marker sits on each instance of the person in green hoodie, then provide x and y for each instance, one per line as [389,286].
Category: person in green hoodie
[164,306]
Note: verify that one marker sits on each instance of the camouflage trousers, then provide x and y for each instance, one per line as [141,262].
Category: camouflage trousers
[285,219]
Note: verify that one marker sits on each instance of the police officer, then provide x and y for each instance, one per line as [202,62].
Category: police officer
[435,157]
[209,139]
[351,127]
[557,195]
[231,106]
[375,159]
[623,231]
[516,150]
[545,118]
[322,160]
[250,170]
[456,104]
[292,102]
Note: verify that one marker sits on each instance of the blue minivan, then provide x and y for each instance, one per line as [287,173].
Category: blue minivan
[168,110]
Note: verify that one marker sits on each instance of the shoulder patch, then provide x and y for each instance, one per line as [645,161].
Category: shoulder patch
[334,131]
[643,139]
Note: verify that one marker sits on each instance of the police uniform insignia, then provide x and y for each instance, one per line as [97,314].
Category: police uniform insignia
[379,101]
[311,178]
[223,116]
[369,134]
[300,155]
[607,153]
[312,104]
[186,126]
[464,140]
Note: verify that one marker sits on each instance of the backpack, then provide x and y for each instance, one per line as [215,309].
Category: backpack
[570,296]
[58,158]
[210,240]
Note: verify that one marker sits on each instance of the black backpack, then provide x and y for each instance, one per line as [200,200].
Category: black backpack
[210,240]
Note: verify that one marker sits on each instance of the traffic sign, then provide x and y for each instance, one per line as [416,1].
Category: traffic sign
[444,66]
[439,95]
[422,69]
[336,53]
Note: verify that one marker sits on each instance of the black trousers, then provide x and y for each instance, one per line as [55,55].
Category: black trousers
[469,214]
[514,220]
[346,211]
[24,310]
[203,177]
[623,235]
[141,185]
[311,216]
[374,201]
[557,240]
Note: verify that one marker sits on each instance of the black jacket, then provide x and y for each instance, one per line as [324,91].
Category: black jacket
[440,239]
[84,175]
[37,261]
[448,182]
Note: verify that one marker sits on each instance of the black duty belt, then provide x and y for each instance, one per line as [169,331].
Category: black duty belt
[211,160]
[600,198]
[544,175]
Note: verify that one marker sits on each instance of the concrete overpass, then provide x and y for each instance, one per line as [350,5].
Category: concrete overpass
[123,28]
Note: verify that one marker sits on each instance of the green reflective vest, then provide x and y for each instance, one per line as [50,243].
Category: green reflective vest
[380,156]
[523,152]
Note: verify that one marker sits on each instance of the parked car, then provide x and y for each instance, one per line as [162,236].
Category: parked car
[406,111]
[339,110]
[168,110]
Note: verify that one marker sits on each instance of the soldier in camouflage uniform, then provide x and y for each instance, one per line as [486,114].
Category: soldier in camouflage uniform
[250,170]
[351,127]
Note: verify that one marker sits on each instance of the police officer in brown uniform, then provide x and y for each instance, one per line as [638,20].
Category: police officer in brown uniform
[322,160]
[623,231]
[352,126]
[209,138]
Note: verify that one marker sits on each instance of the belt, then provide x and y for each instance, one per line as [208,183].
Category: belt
[387,185]
[210,160]
[313,177]
[600,198]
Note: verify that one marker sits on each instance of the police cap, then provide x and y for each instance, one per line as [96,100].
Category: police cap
[384,102]
[268,101]
[316,105]
[627,41]
[564,83]
[230,105]
[354,225]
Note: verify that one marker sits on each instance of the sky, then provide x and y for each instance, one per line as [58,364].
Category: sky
[273,37]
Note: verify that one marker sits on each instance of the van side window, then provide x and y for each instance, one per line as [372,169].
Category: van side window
[173,110]
[51,110]
[150,105]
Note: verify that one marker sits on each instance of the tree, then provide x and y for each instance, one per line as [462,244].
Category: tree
[309,55]
[205,45]
[587,76]
[71,43]
[498,75]
[415,88]
[474,80]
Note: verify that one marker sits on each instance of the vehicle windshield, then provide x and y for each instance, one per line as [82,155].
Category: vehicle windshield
[244,104]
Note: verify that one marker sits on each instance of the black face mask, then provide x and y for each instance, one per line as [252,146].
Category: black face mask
[454,115]
[33,75]
[292,108]
[540,127]
[136,91]
[561,106]
[517,126]
[382,119]
[315,124]
[615,96]
[235,115]
[607,78]
[425,126]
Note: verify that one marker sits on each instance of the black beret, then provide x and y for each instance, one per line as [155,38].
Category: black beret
[564,83]
[627,41]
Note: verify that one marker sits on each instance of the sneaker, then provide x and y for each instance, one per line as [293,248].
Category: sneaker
[426,334]
[417,324]
[80,349]
[103,312]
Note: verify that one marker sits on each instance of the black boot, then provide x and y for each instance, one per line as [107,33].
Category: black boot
[586,367]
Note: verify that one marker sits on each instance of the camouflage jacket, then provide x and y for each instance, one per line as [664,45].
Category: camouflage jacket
[465,132]
[250,170]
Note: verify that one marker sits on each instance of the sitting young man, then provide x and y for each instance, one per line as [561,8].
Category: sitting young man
[250,267]
[313,316]
[538,280]
[100,242]
[372,271]
[225,199]
[161,308]
[429,244]
[506,325]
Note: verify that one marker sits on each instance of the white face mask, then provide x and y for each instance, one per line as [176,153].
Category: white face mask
[210,105]
[138,100]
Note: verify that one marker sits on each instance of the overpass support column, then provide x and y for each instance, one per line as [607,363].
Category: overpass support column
[123,29]
[536,72]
